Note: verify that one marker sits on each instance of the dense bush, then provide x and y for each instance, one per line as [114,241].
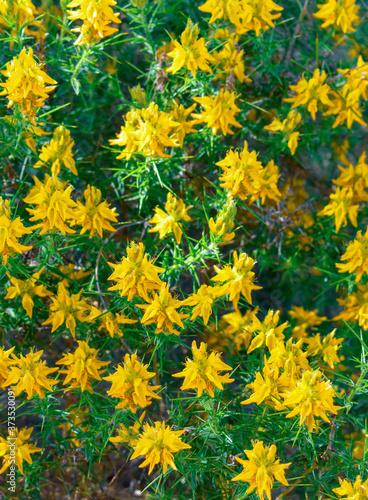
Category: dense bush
[184,254]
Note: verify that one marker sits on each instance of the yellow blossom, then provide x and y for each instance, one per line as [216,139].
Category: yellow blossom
[161,310]
[202,372]
[130,384]
[219,112]
[238,279]
[191,52]
[268,387]
[341,14]
[18,15]
[110,322]
[311,398]
[54,206]
[147,131]
[356,307]
[341,205]
[135,274]
[356,256]
[313,93]
[238,327]
[95,215]
[10,232]
[304,320]
[22,449]
[169,221]
[180,115]
[203,300]
[355,178]
[246,15]
[67,308]
[82,365]
[27,289]
[326,349]
[158,443]
[287,128]
[222,228]
[229,59]
[345,104]
[261,469]
[30,374]
[267,332]
[357,77]
[97,17]
[26,85]
[129,435]
[289,356]
[352,491]
[58,152]
[5,362]
[70,273]
[244,176]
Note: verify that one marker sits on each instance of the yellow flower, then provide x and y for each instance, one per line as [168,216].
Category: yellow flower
[341,14]
[327,349]
[158,443]
[26,85]
[311,398]
[169,221]
[110,322]
[219,112]
[341,205]
[355,178]
[22,449]
[222,228]
[345,104]
[191,52]
[356,307]
[229,60]
[238,327]
[352,491]
[287,127]
[58,152]
[180,116]
[261,469]
[202,373]
[238,279]
[246,15]
[129,435]
[313,93]
[289,357]
[357,256]
[268,387]
[162,311]
[5,362]
[244,176]
[10,232]
[357,77]
[267,332]
[135,274]
[95,215]
[304,320]
[97,16]
[82,365]
[203,299]
[147,131]
[16,15]
[130,383]
[29,374]
[54,206]
[27,289]
[66,309]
